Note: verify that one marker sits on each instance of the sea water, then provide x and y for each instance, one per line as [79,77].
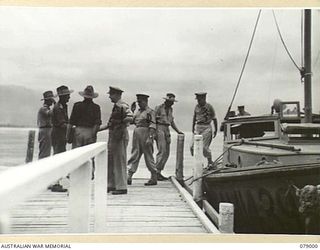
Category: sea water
[13,149]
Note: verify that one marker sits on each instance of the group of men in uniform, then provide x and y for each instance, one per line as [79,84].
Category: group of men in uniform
[150,125]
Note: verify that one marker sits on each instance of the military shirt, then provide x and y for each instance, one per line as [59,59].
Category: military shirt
[120,111]
[164,115]
[44,117]
[60,115]
[85,114]
[145,118]
[204,114]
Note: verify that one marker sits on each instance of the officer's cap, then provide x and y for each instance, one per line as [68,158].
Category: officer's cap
[241,107]
[142,96]
[200,94]
[170,97]
[114,90]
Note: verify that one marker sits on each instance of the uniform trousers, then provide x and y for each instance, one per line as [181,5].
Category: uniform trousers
[117,158]
[59,140]
[206,132]
[163,140]
[45,142]
[139,147]
[84,136]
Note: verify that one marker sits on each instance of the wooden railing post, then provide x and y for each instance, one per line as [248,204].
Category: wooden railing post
[100,192]
[226,217]
[30,149]
[179,158]
[80,199]
[198,168]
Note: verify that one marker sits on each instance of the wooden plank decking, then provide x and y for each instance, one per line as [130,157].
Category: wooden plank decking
[155,209]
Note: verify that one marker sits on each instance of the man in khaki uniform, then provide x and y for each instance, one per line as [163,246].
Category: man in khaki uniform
[44,122]
[60,122]
[201,125]
[164,119]
[120,118]
[142,141]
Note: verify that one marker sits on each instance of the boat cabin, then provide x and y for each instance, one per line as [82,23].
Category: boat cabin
[285,124]
[273,138]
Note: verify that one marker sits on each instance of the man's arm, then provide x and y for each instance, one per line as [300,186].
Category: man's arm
[152,127]
[70,133]
[215,123]
[103,127]
[128,119]
[214,119]
[74,115]
[193,122]
[174,126]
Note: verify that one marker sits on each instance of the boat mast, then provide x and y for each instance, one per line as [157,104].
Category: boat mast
[307,59]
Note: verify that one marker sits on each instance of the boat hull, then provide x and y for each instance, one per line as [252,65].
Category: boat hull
[263,201]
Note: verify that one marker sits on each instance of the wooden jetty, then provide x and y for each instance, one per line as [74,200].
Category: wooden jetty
[156,209]
[87,208]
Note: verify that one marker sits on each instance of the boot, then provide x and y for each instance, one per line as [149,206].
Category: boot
[117,192]
[211,165]
[129,179]
[58,188]
[152,181]
[160,177]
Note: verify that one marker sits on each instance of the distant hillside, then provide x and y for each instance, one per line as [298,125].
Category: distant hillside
[19,105]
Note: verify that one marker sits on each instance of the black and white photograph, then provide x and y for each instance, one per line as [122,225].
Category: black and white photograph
[159,121]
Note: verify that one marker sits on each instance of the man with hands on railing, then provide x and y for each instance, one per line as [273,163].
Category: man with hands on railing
[119,120]
[142,141]
[164,119]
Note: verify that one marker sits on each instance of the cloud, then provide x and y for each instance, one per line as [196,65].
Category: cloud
[155,51]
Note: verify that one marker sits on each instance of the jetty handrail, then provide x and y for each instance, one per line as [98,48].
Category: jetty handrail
[22,182]
[224,219]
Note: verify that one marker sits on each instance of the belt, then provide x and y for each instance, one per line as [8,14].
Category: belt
[45,127]
[203,123]
[142,126]
[81,126]
[163,124]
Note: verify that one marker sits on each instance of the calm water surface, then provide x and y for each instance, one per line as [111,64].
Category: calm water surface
[13,148]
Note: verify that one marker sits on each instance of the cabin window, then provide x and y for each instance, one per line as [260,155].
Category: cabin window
[261,129]
[266,129]
[290,112]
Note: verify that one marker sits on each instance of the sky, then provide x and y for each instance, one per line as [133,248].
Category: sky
[158,50]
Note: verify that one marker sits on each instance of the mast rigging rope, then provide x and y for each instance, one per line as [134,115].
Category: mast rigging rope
[245,62]
[284,44]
